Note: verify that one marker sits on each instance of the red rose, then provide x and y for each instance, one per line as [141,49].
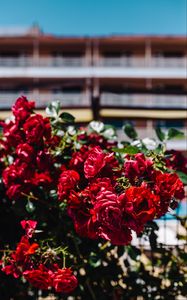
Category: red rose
[139,206]
[25,152]
[79,205]
[94,163]
[14,191]
[96,186]
[9,175]
[22,108]
[107,210]
[11,270]
[67,181]
[42,179]
[111,168]
[98,161]
[176,160]
[13,135]
[29,226]
[17,191]
[39,278]
[44,160]
[138,167]
[24,249]
[16,178]
[64,281]
[78,159]
[108,215]
[17,171]
[34,129]
[167,186]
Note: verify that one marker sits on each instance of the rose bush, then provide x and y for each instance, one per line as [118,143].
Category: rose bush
[81,185]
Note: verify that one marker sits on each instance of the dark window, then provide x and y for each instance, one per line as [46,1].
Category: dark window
[172,54]
[170,123]
[10,54]
[67,54]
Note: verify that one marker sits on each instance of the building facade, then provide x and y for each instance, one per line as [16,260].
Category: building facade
[114,78]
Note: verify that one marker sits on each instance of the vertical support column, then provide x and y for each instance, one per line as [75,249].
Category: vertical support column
[36,51]
[88,53]
[149,128]
[95,89]
[35,62]
[148,53]
[95,98]
[148,63]
[87,92]
[149,102]
[96,54]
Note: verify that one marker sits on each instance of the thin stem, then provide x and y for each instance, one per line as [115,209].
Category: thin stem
[31,197]
[90,290]
[64,260]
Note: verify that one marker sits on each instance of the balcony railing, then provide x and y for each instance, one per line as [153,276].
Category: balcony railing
[141,62]
[144,100]
[164,62]
[42,62]
[128,62]
[107,99]
[43,99]
[122,62]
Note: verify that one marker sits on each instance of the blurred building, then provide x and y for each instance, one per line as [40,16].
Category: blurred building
[115,78]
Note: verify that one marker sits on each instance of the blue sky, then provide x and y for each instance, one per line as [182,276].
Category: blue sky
[97,17]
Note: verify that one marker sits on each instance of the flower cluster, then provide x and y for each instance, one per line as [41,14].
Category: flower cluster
[36,265]
[107,199]
[28,139]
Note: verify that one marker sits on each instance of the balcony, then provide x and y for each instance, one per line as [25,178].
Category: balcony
[107,99]
[43,99]
[164,62]
[27,61]
[144,101]
[132,62]
[79,67]
[122,62]
[143,62]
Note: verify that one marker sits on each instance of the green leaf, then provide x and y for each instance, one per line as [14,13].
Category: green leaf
[173,133]
[67,117]
[127,150]
[130,131]
[30,207]
[53,109]
[160,134]
[182,176]
[63,206]
[94,260]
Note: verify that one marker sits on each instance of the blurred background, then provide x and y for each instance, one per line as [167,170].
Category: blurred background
[109,60]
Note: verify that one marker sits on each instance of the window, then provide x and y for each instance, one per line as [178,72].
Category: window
[170,123]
